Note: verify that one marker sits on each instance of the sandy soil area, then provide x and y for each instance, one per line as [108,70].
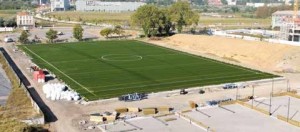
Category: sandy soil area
[261,55]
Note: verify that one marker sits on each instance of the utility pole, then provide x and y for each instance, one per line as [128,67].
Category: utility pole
[271,95]
[272,86]
[288,112]
[237,93]
[252,95]
[270,105]
[287,85]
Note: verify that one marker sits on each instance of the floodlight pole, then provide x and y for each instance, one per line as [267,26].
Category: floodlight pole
[287,85]
[252,95]
[288,112]
[237,92]
[270,105]
[272,86]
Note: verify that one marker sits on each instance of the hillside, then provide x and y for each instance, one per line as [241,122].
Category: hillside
[263,55]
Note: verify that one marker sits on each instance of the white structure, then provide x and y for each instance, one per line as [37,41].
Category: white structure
[231,2]
[25,19]
[60,5]
[289,27]
[282,17]
[95,5]
[6,29]
[262,4]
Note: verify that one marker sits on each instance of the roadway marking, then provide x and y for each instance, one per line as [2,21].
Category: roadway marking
[91,92]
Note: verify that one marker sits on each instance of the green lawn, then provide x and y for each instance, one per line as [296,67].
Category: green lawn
[106,69]
[8,14]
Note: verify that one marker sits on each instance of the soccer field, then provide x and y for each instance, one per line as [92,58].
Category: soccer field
[106,69]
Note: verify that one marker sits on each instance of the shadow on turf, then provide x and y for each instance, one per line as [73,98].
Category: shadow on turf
[49,115]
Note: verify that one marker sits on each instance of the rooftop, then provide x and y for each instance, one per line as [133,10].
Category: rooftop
[23,13]
[287,12]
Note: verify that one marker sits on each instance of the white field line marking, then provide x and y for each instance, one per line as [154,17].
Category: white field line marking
[136,57]
[172,82]
[67,61]
[175,78]
[145,67]
[61,72]
[183,85]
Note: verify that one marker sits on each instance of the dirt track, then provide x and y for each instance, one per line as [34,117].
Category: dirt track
[262,55]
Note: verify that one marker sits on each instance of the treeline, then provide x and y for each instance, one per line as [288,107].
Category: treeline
[17,4]
[8,22]
[265,11]
[160,21]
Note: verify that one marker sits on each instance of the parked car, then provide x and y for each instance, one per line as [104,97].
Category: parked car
[183,92]
[8,39]
[133,97]
[60,33]
[230,86]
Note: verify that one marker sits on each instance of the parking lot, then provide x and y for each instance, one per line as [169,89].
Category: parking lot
[280,106]
[235,118]
[171,123]
[89,33]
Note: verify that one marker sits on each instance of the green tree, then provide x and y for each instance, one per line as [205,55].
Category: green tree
[106,32]
[147,17]
[1,22]
[78,32]
[165,23]
[224,2]
[235,9]
[118,30]
[51,35]
[182,15]
[23,37]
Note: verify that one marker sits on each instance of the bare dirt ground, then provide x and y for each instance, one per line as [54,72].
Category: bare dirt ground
[68,114]
[261,55]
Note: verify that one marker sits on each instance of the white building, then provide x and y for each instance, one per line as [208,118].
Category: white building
[96,5]
[282,17]
[263,4]
[25,19]
[231,2]
[60,5]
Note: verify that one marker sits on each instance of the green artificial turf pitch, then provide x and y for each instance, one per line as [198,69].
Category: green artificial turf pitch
[106,69]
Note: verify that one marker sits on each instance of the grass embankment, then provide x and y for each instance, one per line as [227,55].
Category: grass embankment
[93,17]
[7,14]
[236,22]
[106,69]
[121,18]
[18,105]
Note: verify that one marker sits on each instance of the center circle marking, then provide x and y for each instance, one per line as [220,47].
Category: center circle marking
[121,57]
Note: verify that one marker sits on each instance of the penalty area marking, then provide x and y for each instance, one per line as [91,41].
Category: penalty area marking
[91,92]
[121,57]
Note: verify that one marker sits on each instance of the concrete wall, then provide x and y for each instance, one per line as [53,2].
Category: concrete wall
[6,29]
[36,120]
